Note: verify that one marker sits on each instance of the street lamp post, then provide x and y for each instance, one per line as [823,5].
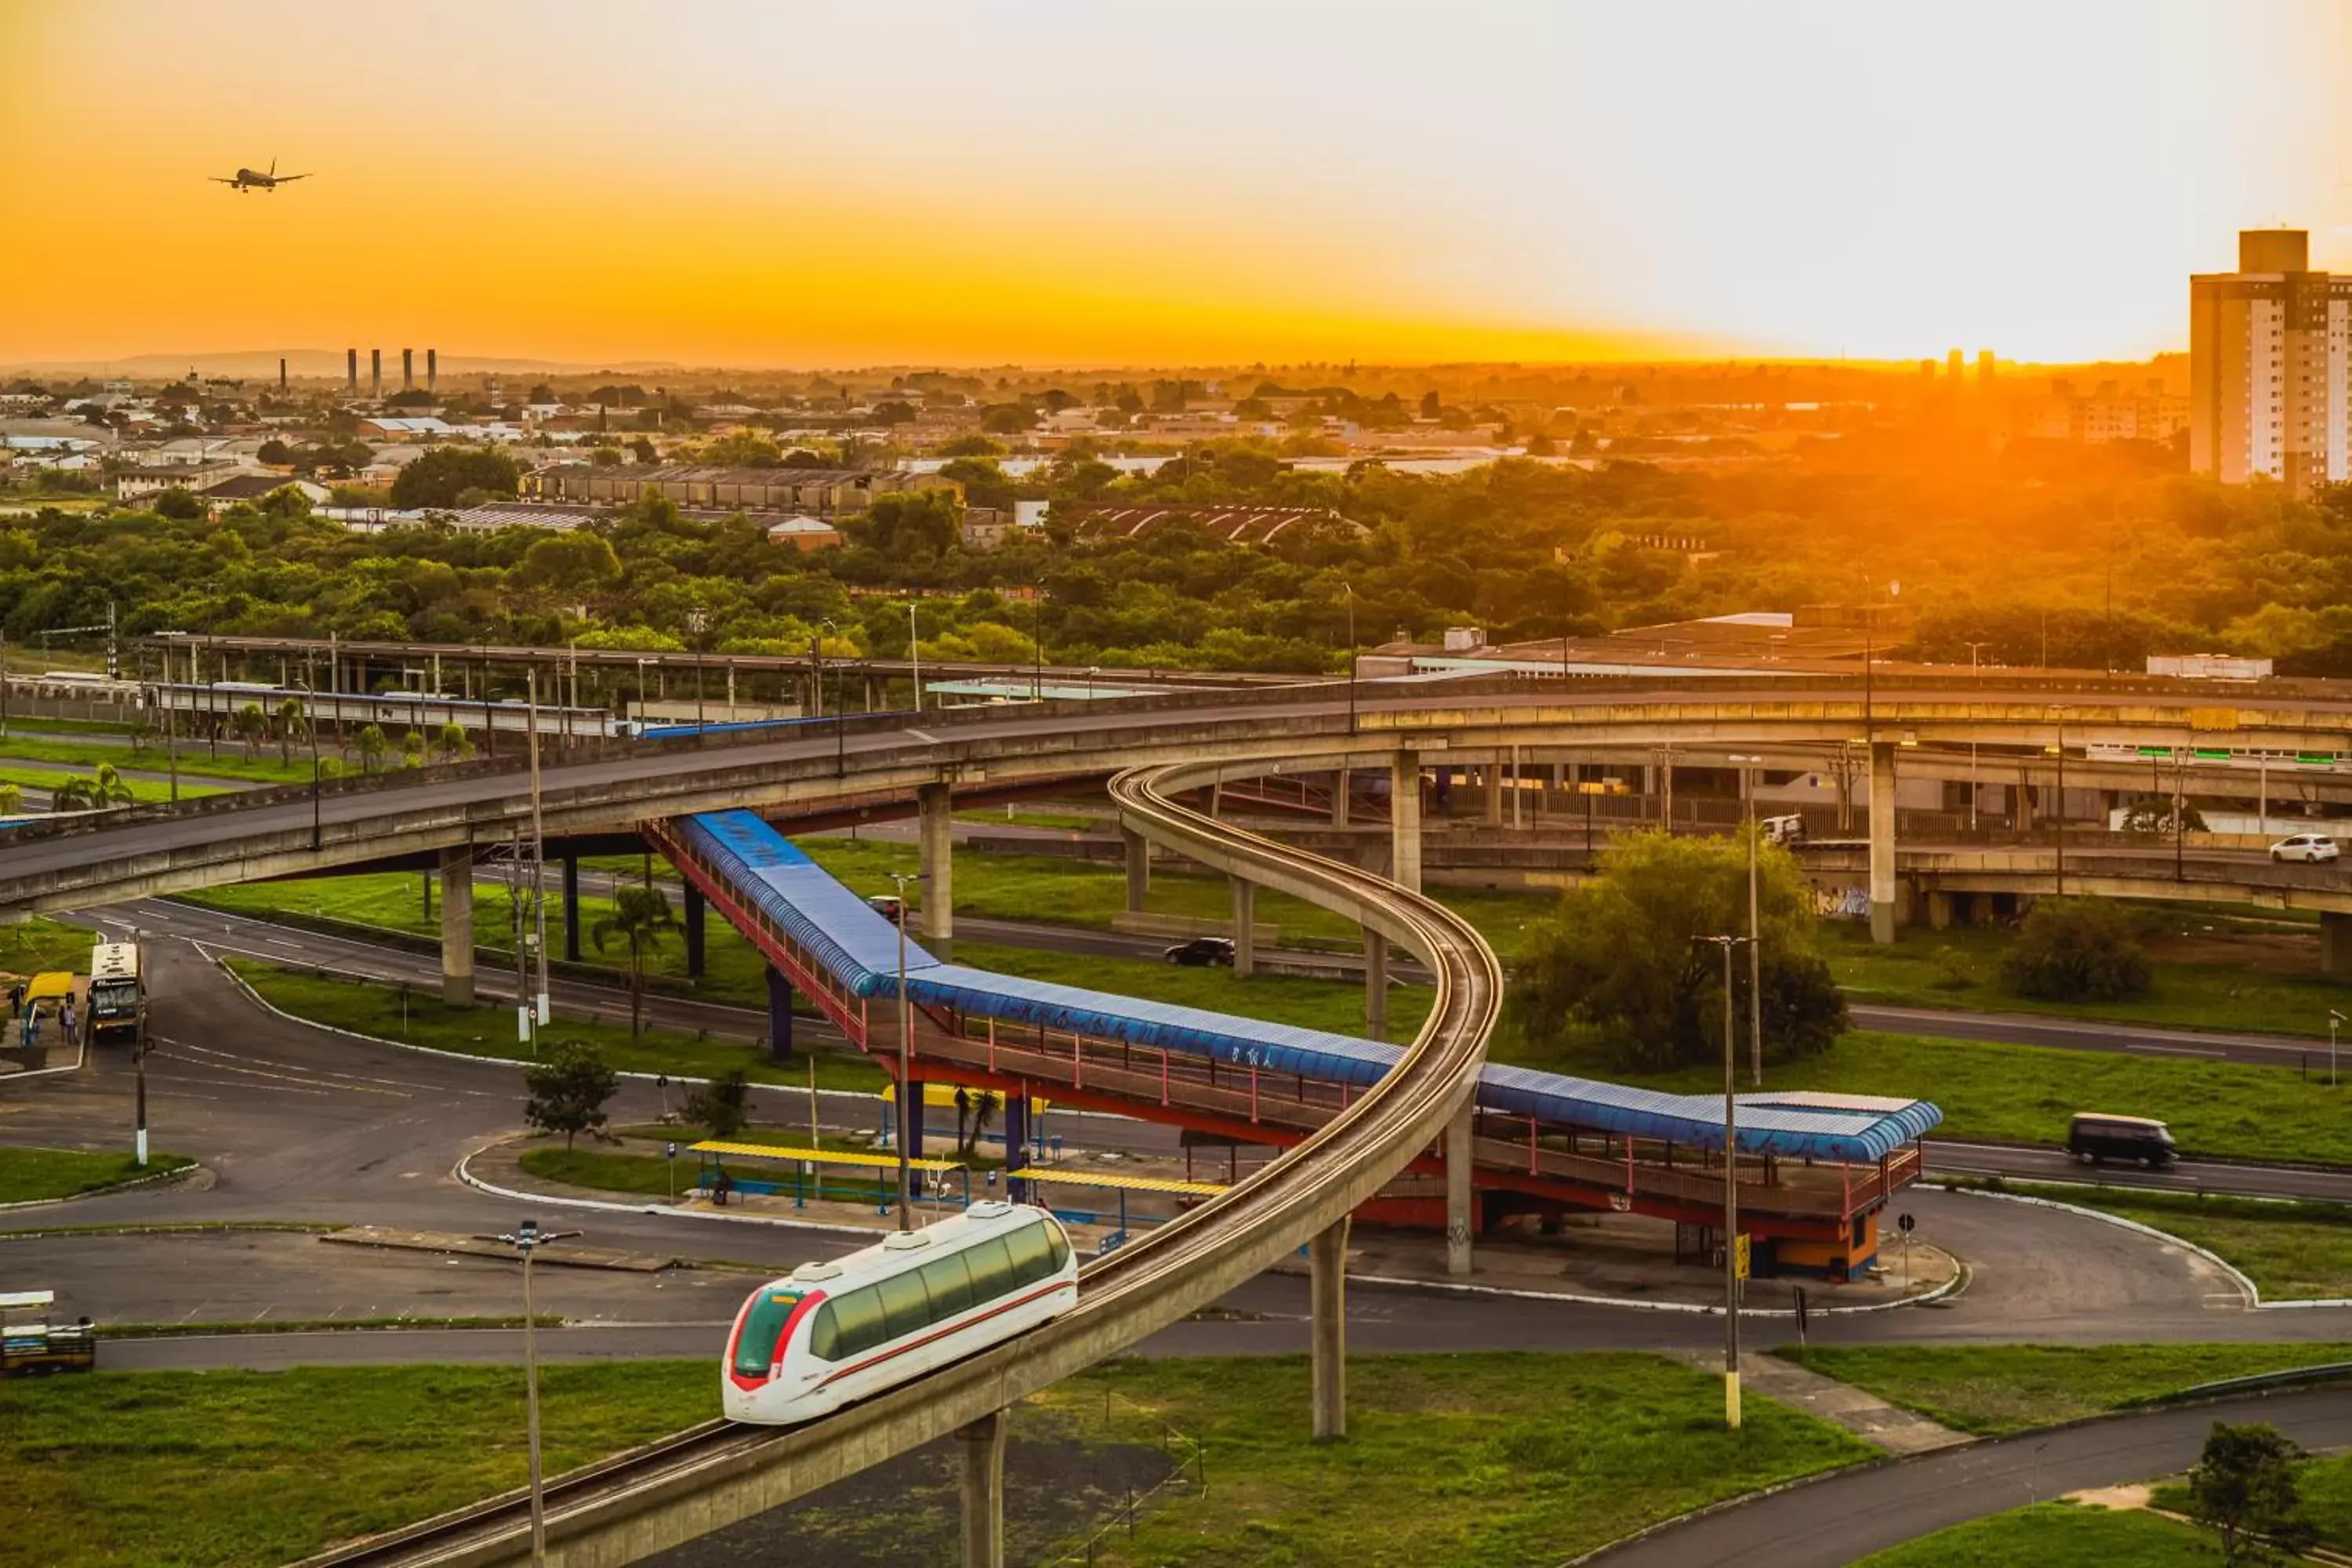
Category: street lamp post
[915,655]
[1037,640]
[527,1238]
[2060,750]
[1730,1196]
[1347,589]
[2179,814]
[906,1060]
[1748,763]
[2334,1020]
[1974,648]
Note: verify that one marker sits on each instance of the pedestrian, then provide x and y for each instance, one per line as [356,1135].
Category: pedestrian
[32,1026]
[16,999]
[65,1020]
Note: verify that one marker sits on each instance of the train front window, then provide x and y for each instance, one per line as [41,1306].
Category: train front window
[113,998]
[764,1326]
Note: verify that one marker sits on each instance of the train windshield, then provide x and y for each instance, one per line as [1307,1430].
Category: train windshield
[764,1326]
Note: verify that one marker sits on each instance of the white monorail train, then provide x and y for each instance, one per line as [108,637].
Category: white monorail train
[833,1333]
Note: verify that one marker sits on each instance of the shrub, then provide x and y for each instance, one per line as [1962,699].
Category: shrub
[2077,950]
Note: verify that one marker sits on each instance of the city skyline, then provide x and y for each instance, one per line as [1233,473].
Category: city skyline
[813,186]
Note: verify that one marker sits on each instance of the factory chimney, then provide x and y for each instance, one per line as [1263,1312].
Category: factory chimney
[407,369]
[351,369]
[375,373]
[432,370]
[281,375]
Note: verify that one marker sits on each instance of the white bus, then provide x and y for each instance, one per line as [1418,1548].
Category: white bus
[118,995]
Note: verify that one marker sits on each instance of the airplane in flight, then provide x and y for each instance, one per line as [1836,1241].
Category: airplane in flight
[256,179]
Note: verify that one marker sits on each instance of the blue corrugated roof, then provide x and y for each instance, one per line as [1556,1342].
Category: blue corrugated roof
[856,944]
[861,948]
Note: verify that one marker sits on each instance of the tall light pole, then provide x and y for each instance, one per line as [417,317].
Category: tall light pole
[1748,763]
[1037,640]
[527,1238]
[906,1059]
[1349,590]
[2334,1021]
[1730,1198]
[538,856]
[915,655]
[2059,749]
[1973,649]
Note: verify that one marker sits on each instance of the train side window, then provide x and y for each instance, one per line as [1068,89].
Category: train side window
[861,1326]
[905,1303]
[949,1283]
[991,1268]
[1032,1255]
[825,1335]
[1058,1245]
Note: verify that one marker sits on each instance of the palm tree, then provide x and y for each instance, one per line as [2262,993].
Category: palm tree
[252,726]
[292,726]
[450,742]
[983,1107]
[411,750]
[102,790]
[11,799]
[640,918]
[371,745]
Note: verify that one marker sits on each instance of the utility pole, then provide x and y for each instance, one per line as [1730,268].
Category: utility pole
[906,1057]
[538,849]
[527,1238]
[1730,1196]
[915,655]
[1755,929]
[1349,589]
[1973,650]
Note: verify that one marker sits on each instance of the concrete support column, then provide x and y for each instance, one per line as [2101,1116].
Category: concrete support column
[1492,776]
[572,909]
[2335,943]
[780,1016]
[1882,842]
[1328,1254]
[1376,986]
[1016,1146]
[694,922]
[1340,802]
[1245,928]
[1458,1192]
[1404,820]
[938,839]
[457,926]
[1939,911]
[916,1134]
[1138,868]
[982,1443]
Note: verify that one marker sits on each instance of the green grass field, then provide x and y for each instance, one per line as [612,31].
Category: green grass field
[41,944]
[2024,1094]
[2292,1251]
[2056,1535]
[1472,1460]
[1991,1389]
[143,791]
[368,1008]
[231,763]
[29,1176]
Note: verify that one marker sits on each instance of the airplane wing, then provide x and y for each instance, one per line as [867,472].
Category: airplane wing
[287,179]
[220,180]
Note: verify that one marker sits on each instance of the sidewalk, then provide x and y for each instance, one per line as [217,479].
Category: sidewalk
[1874,1421]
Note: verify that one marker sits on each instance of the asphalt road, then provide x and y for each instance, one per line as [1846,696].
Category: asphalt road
[1847,1517]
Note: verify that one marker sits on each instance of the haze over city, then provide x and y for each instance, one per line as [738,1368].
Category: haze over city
[1064,184]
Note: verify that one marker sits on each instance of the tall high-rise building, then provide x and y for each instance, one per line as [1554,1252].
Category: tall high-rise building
[1954,366]
[2270,366]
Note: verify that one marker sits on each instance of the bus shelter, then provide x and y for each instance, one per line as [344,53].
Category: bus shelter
[1040,1177]
[809,1165]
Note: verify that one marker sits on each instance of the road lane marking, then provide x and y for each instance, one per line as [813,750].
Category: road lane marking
[2170,1051]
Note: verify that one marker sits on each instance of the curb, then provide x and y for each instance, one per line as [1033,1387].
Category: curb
[153,1178]
[2246,1287]
[1694,1309]
[668,1211]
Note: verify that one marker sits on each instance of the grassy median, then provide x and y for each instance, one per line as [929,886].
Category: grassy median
[1993,1389]
[2056,1535]
[30,1176]
[2293,1251]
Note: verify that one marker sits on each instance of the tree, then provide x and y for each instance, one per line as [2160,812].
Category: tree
[276,453]
[2074,949]
[743,449]
[723,1105]
[973,1112]
[640,918]
[643,450]
[372,745]
[443,474]
[178,505]
[2153,816]
[293,724]
[2244,1489]
[450,742]
[100,792]
[1618,970]
[11,799]
[568,1090]
[411,749]
[287,502]
[251,727]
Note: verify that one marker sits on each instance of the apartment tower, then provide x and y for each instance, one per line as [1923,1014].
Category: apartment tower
[2270,347]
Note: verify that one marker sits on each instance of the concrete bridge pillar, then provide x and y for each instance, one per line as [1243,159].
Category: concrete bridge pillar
[982,1443]
[1328,1254]
[780,1016]
[1016,1146]
[1404,820]
[1882,842]
[1376,986]
[1458,1192]
[1245,928]
[1939,910]
[572,909]
[938,841]
[1340,802]
[1138,868]
[1491,775]
[2335,943]
[457,926]
[696,923]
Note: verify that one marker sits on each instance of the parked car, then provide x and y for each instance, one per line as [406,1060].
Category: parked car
[889,906]
[2091,1138]
[2306,847]
[1789,829]
[1201,951]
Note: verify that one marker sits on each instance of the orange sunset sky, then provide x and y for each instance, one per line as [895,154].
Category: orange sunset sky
[825,184]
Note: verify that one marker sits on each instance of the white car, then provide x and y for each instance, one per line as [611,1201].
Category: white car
[2306,847]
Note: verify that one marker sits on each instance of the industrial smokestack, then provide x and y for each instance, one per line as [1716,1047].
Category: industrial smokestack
[281,375]
[408,368]
[375,373]
[432,370]
[351,369]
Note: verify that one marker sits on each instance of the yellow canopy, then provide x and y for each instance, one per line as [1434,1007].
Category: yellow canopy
[819,1156]
[50,985]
